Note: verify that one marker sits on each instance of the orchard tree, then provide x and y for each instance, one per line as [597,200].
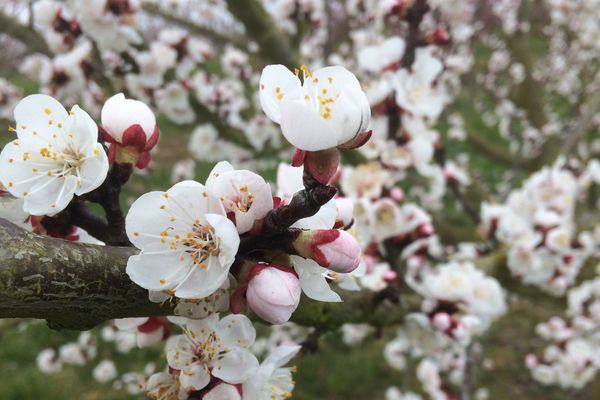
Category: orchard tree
[421,171]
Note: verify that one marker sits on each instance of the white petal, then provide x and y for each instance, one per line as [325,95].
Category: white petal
[129,324]
[179,351]
[228,238]
[313,281]
[81,130]
[50,196]
[218,169]
[200,283]
[203,328]
[273,77]
[236,330]
[235,366]
[93,170]
[305,129]
[35,113]
[323,219]
[194,377]
[191,200]
[282,355]
[147,218]
[158,271]
[289,180]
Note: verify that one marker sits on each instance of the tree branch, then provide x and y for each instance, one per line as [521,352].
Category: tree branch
[274,45]
[216,37]
[78,286]
[34,42]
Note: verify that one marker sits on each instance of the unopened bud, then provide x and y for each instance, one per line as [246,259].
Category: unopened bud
[273,292]
[330,248]
[130,128]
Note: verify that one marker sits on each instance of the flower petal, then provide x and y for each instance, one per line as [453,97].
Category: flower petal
[199,282]
[235,366]
[304,128]
[227,237]
[236,330]
[276,84]
[158,271]
[194,377]
[313,281]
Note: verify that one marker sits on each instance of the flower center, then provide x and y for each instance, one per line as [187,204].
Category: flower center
[208,350]
[200,243]
[319,95]
[243,201]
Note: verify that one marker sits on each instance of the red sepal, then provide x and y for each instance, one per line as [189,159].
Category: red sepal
[152,140]
[105,135]
[358,141]
[135,137]
[237,302]
[143,160]
[322,165]
[298,158]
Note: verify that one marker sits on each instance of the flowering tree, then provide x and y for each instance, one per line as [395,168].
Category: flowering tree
[423,172]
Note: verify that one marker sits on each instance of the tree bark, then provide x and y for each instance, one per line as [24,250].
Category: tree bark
[78,286]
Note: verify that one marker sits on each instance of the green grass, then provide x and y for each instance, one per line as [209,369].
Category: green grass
[335,372]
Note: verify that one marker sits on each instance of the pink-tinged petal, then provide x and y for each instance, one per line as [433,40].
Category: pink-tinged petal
[223,391]
[277,83]
[235,330]
[274,294]
[149,339]
[305,129]
[235,366]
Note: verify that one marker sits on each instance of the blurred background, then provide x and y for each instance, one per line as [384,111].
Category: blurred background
[518,91]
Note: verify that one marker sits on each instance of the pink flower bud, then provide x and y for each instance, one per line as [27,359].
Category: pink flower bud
[531,361]
[273,292]
[130,127]
[345,212]
[441,321]
[330,248]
